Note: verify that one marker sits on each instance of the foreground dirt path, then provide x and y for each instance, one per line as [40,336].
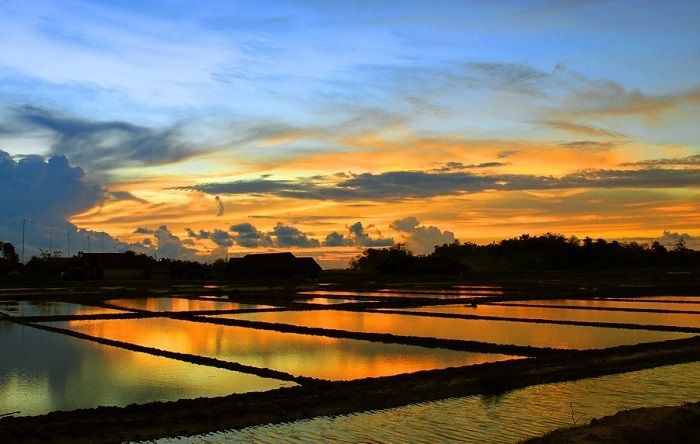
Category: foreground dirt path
[186,417]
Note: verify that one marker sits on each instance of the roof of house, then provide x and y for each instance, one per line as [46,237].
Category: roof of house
[274,263]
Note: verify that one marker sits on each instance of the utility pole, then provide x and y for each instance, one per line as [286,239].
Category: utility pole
[23,223]
[50,242]
[68,235]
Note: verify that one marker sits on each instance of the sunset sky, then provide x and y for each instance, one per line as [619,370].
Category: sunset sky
[211,129]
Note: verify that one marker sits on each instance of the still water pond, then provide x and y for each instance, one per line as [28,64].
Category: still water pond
[454,292]
[568,314]
[42,371]
[182,304]
[296,354]
[51,308]
[497,332]
[617,303]
[511,417]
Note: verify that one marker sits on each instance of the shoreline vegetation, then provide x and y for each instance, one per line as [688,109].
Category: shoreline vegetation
[316,397]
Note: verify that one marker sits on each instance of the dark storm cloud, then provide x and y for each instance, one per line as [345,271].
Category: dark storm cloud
[101,145]
[398,185]
[38,196]
[49,190]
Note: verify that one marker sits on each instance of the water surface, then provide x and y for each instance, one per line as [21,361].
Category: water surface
[511,417]
[182,304]
[296,354]
[451,293]
[567,314]
[606,303]
[497,332]
[51,308]
[42,371]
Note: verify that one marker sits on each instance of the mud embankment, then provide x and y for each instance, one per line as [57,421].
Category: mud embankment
[672,424]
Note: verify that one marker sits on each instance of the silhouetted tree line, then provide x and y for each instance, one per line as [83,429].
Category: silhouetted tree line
[52,265]
[545,252]
[9,259]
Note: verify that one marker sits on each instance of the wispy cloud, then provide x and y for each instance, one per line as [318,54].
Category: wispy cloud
[691,161]
[101,146]
[419,185]
[581,130]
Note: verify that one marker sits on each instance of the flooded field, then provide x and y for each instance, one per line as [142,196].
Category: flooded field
[673,303]
[42,371]
[182,304]
[511,417]
[457,291]
[51,308]
[296,354]
[630,315]
[175,345]
[491,331]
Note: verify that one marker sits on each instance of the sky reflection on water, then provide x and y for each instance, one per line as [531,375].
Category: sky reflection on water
[42,371]
[296,354]
[51,308]
[650,303]
[510,417]
[181,304]
[563,314]
[498,332]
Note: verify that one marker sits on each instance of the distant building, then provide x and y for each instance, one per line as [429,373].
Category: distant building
[273,264]
[117,266]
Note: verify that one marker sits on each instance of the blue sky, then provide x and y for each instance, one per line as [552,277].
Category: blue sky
[477,120]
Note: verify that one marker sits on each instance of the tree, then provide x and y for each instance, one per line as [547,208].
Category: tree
[9,262]
[680,246]
[373,258]
[8,252]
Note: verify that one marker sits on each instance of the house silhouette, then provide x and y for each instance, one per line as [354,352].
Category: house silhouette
[273,264]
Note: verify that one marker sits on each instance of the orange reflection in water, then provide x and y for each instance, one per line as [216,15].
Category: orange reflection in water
[564,314]
[498,332]
[45,371]
[296,354]
[180,304]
